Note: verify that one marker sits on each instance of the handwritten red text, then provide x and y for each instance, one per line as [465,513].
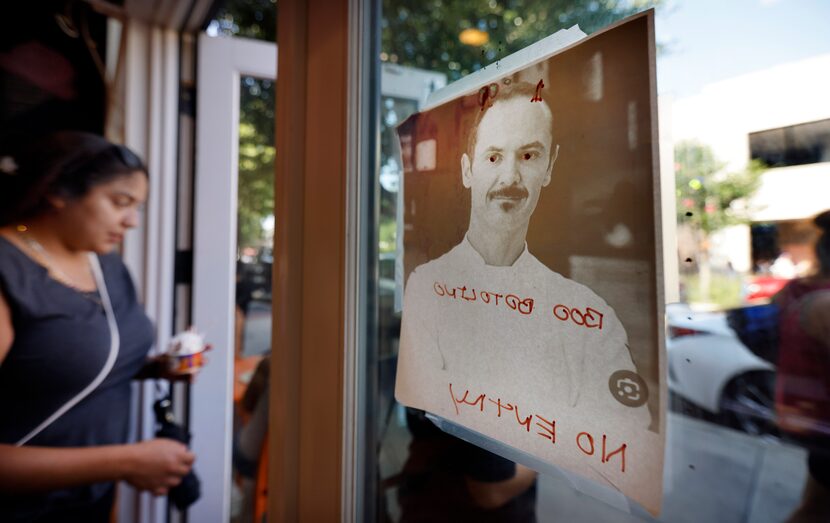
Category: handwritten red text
[511,301]
[589,318]
[487,95]
[584,440]
[537,97]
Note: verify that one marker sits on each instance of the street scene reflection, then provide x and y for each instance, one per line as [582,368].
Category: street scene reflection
[746,332]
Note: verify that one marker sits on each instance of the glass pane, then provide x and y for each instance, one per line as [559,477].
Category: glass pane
[255,256]
[393,111]
[748,369]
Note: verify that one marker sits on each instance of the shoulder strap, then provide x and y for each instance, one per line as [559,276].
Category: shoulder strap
[115,343]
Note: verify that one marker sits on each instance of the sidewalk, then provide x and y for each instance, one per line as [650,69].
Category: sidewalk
[712,474]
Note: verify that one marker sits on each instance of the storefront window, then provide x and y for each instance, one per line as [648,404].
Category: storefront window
[746,160]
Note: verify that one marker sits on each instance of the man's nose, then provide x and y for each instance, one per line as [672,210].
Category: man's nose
[510,173]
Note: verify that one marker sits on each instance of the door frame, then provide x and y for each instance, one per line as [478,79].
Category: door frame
[221,64]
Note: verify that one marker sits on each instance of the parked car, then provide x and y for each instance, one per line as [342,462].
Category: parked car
[254,274]
[763,287]
[714,375]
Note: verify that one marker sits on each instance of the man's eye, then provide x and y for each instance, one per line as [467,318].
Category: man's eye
[530,155]
[494,158]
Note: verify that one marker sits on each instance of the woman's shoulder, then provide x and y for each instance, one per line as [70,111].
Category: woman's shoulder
[21,279]
[15,266]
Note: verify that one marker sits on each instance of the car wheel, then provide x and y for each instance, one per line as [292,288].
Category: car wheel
[681,405]
[748,404]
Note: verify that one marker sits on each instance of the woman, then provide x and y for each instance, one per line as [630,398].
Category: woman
[803,383]
[72,333]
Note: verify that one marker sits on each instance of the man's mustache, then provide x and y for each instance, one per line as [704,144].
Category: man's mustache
[513,192]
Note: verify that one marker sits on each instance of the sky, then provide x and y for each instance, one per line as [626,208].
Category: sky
[710,40]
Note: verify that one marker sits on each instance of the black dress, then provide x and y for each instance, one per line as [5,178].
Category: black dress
[61,342]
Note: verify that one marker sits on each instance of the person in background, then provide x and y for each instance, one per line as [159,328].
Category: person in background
[72,333]
[448,479]
[802,393]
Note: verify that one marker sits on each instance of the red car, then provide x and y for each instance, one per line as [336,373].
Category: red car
[763,287]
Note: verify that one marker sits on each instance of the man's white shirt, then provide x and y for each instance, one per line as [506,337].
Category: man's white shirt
[523,336]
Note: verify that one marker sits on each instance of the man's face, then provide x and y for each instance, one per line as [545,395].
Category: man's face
[510,164]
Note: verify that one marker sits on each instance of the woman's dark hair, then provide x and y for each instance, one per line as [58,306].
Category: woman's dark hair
[823,243]
[65,163]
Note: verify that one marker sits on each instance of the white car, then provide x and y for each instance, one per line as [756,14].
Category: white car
[714,375]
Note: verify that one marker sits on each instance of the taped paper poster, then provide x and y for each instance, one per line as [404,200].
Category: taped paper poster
[533,302]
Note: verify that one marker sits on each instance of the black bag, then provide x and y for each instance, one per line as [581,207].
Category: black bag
[188,491]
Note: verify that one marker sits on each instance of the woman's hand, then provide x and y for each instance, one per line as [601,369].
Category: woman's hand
[157,465]
[157,368]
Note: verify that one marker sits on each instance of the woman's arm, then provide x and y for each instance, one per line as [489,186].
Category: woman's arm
[155,368]
[152,370]
[155,465]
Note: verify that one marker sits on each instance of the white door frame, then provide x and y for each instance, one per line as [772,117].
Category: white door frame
[221,63]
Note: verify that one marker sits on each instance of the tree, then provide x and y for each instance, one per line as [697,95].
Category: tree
[709,199]
[425,33]
[247,18]
[256,159]
[255,19]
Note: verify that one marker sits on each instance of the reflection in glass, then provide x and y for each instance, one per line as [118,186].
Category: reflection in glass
[799,144]
[745,233]
[426,475]
[802,387]
[255,241]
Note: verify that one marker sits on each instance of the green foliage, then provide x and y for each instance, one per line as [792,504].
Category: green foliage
[256,159]
[248,18]
[255,19]
[425,33]
[715,199]
[722,292]
[387,234]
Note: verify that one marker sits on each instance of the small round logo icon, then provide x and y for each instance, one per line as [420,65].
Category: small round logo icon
[628,388]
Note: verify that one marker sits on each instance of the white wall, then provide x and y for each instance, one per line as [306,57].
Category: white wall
[723,115]
[725,112]
[732,244]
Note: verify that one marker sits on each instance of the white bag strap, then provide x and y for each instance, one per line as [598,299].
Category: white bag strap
[115,343]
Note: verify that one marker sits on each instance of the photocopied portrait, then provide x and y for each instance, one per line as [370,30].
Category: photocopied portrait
[530,254]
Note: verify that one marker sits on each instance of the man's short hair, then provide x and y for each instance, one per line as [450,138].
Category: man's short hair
[507,91]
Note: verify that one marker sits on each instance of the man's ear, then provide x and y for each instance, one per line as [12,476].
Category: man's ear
[553,158]
[466,171]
